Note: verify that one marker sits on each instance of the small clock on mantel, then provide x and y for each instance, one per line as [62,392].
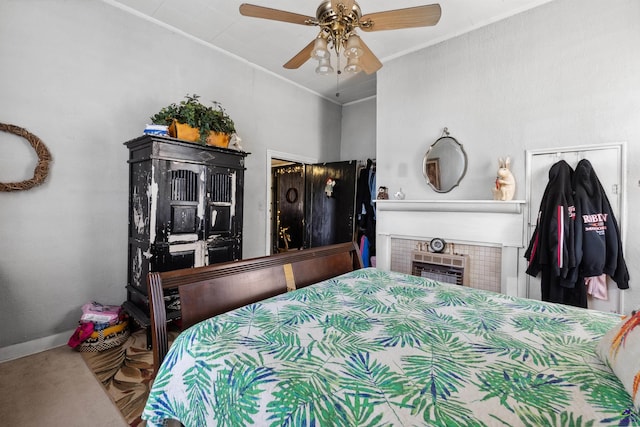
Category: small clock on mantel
[437,245]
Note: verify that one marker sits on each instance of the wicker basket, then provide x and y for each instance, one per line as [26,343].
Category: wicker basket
[105,339]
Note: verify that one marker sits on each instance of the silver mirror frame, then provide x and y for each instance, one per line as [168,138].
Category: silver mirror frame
[431,167]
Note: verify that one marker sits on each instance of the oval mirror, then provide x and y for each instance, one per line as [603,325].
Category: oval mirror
[445,164]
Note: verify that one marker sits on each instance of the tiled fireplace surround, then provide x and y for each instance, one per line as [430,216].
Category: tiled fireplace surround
[489,232]
[484,261]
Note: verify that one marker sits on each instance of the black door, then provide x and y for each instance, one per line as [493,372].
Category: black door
[330,193]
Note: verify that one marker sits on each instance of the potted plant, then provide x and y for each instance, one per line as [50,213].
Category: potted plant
[192,121]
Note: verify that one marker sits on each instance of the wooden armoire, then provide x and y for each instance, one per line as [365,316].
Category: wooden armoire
[185,210]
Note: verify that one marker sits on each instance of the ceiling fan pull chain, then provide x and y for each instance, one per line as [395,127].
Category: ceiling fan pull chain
[338,72]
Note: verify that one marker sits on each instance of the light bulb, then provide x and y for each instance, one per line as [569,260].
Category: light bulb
[353,48]
[320,50]
[324,66]
[353,65]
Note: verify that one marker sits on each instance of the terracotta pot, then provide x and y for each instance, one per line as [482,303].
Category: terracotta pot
[184,132]
[218,139]
[188,133]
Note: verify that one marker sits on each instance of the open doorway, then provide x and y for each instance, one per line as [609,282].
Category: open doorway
[277,159]
[287,218]
[310,204]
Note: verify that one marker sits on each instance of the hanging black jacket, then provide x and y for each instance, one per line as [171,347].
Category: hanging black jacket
[551,250]
[598,241]
[552,243]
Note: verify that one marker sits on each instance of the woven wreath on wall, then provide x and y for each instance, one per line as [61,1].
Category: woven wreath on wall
[42,167]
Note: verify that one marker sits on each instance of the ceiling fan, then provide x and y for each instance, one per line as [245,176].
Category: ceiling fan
[338,21]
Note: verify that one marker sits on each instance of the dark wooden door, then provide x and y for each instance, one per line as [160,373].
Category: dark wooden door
[329,216]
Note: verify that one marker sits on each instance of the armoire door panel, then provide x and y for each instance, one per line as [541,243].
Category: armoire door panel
[222,194]
[184,219]
[220,219]
[178,260]
[180,190]
[222,252]
[139,201]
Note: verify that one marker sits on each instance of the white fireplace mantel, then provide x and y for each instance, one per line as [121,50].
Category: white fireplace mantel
[496,206]
[480,222]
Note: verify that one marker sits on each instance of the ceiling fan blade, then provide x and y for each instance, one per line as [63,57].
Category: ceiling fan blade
[274,14]
[301,57]
[419,16]
[368,61]
[348,5]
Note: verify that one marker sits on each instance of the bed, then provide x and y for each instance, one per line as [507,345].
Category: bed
[372,347]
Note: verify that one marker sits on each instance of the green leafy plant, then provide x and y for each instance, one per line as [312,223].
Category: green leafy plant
[192,112]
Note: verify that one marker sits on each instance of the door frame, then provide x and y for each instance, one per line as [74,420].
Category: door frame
[622,214]
[273,154]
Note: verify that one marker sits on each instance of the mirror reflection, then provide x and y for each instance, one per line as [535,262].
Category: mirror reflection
[445,164]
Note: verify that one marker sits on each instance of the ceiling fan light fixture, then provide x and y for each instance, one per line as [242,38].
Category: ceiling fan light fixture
[320,50]
[324,67]
[338,21]
[353,65]
[353,47]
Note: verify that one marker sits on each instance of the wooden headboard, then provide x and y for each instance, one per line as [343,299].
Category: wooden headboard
[215,289]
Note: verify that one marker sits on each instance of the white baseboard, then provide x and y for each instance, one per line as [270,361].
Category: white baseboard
[35,346]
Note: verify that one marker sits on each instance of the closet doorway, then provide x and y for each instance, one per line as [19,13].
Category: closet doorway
[287,219]
[608,162]
[310,204]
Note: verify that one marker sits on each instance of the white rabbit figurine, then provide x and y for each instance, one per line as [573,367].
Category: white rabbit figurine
[505,187]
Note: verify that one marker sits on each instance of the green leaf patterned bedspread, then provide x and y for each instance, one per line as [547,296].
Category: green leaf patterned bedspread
[376,348]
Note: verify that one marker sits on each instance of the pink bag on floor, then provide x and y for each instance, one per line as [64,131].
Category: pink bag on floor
[100,313]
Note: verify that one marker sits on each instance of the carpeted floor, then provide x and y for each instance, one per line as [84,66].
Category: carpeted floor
[125,372]
[54,388]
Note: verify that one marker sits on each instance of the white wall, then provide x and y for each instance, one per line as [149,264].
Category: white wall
[563,74]
[85,77]
[358,139]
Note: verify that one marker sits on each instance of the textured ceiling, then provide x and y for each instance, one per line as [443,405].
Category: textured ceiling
[269,44]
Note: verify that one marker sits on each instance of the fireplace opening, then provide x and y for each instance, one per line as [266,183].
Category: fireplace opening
[447,268]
